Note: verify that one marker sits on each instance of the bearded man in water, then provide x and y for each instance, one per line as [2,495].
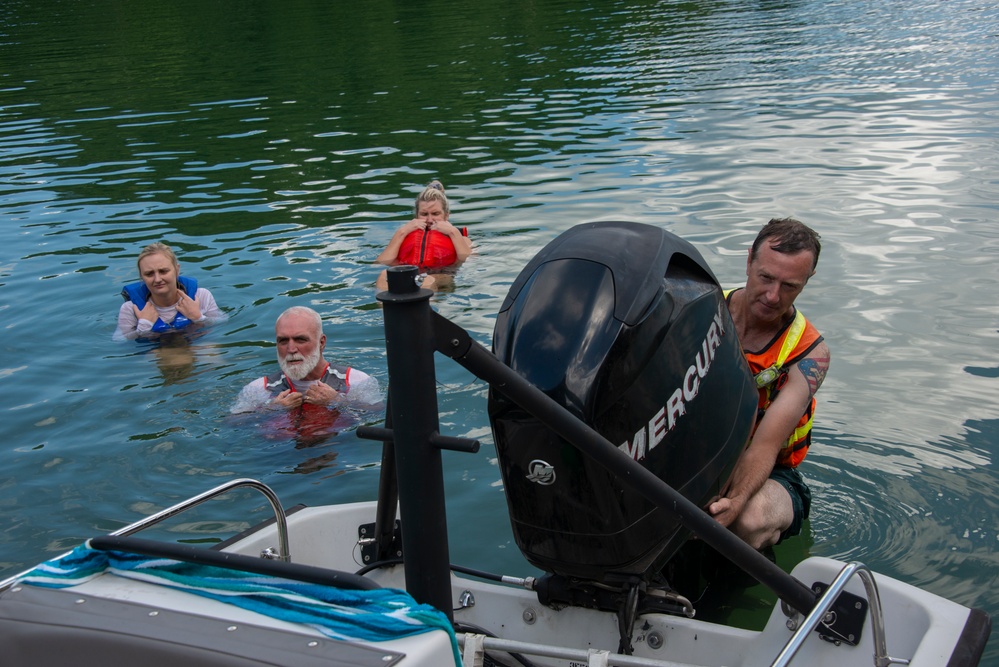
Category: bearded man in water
[306,380]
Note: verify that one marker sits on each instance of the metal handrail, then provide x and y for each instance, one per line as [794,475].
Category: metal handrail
[279,517]
[194,501]
[826,601]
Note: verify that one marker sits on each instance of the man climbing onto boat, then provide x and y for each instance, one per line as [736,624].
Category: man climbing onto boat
[429,241]
[766,499]
[306,381]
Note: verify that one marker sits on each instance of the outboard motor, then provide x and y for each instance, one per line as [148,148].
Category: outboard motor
[625,326]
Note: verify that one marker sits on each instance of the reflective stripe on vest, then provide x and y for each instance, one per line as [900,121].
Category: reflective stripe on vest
[767,376]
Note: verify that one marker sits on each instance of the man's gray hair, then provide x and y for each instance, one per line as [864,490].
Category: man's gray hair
[306,311]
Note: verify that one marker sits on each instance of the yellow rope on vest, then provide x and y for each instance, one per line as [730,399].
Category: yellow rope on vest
[794,333]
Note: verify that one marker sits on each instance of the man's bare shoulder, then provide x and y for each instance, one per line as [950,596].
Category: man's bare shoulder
[820,353]
[814,366]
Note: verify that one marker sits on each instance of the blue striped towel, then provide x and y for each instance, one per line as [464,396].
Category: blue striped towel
[346,614]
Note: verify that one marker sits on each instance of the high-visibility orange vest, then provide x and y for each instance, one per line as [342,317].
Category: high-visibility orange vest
[770,367]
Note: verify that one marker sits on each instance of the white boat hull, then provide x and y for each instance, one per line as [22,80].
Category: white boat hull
[920,626]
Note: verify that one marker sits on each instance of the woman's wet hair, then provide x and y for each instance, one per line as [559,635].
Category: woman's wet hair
[158,248]
[433,192]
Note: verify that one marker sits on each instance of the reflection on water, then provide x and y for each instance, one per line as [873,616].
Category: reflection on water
[305,427]
[174,358]
[280,166]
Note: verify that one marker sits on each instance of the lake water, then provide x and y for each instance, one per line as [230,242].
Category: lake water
[276,146]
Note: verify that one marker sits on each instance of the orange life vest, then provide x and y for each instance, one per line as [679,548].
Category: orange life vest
[770,368]
[428,249]
[309,424]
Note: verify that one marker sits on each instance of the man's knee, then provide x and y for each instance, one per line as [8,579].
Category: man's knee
[756,534]
[768,514]
[800,496]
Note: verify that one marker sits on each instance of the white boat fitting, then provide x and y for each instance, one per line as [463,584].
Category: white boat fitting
[599,519]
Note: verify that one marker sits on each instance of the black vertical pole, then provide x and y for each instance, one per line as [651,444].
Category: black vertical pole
[412,406]
[388,498]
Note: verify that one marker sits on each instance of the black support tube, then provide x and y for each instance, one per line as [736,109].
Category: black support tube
[388,499]
[412,409]
[454,342]
[233,561]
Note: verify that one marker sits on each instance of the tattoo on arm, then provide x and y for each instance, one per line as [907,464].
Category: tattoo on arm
[814,371]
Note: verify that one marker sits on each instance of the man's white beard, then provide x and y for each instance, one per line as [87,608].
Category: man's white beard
[299,370]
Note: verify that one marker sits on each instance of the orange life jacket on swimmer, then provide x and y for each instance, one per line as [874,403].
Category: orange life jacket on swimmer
[770,367]
[310,424]
[428,249]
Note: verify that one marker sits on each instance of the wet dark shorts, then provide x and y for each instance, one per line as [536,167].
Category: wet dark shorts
[801,497]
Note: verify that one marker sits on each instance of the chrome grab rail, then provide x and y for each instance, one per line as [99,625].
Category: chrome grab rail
[279,517]
[818,614]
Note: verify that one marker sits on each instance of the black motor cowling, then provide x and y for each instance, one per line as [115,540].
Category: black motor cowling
[624,325]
